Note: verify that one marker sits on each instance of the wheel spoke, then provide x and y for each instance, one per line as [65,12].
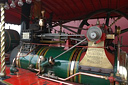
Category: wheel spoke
[107,18]
[84,22]
[124,30]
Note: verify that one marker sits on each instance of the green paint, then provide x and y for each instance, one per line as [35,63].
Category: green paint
[61,65]
[24,62]
[93,81]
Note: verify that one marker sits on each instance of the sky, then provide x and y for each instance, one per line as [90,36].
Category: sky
[14,27]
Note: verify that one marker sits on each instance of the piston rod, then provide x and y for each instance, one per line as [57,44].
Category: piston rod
[58,35]
[70,48]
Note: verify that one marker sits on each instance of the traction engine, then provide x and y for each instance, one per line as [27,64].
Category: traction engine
[95,58]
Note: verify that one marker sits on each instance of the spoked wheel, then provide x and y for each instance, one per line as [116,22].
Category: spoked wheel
[107,14]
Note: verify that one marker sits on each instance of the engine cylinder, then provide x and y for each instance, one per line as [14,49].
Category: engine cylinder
[65,65]
[12,39]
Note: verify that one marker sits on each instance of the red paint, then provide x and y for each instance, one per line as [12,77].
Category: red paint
[68,44]
[82,55]
[60,84]
[26,77]
[102,38]
[110,57]
[111,79]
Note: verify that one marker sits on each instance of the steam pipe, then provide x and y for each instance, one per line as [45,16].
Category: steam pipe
[55,80]
[79,73]
[82,73]
[111,78]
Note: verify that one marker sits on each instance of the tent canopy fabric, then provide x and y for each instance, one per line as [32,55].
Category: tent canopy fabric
[67,10]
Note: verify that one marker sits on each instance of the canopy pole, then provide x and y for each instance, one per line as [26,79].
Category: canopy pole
[3,67]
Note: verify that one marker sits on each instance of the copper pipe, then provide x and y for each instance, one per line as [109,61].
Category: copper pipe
[36,70]
[111,79]
[39,70]
[82,73]
[27,53]
[72,45]
[13,62]
[55,80]
[79,73]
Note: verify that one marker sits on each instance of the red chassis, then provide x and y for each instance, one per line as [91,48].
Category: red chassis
[26,77]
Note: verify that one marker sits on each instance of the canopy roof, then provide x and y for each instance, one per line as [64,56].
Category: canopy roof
[67,10]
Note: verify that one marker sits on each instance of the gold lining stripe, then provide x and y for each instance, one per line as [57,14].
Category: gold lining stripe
[43,50]
[73,65]
[79,78]
[76,63]
[39,53]
[70,63]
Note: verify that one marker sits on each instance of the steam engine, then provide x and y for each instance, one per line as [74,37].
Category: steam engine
[95,60]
